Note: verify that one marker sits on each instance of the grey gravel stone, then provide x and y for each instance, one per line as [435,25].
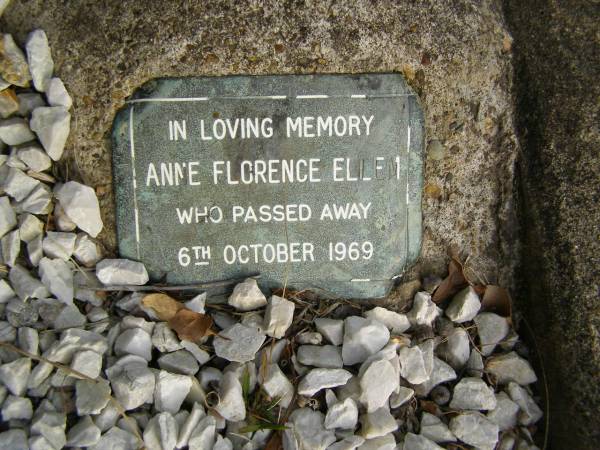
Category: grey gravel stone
[441,373]
[161,432]
[35,157]
[318,379]
[6,292]
[434,429]
[35,251]
[16,408]
[18,185]
[331,329]
[423,311]
[474,366]
[397,323]
[164,338]
[81,205]
[84,433]
[491,329]
[121,271]
[505,413]
[133,386]
[15,131]
[247,296]
[231,400]
[403,395]
[28,101]
[14,439]
[8,218]
[52,126]
[455,350]
[188,426]
[11,245]
[61,220]
[348,443]
[279,314]
[377,383]
[58,278]
[464,306]
[57,94]
[327,356]
[197,303]
[362,338]
[180,361]
[69,317]
[530,412]
[240,345]
[7,332]
[377,423]
[170,391]
[14,375]
[39,58]
[309,338]
[91,397]
[87,362]
[15,70]
[51,425]
[473,393]
[276,384]
[306,431]
[116,438]
[203,435]
[39,442]
[28,340]
[475,429]
[386,442]
[511,367]
[86,251]
[134,341]
[342,414]
[418,442]
[202,356]
[30,227]
[58,244]
[412,365]
[38,202]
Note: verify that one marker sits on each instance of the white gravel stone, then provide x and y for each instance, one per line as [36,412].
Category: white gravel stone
[331,329]
[14,375]
[318,379]
[69,317]
[203,436]
[309,338]
[276,384]
[35,157]
[464,306]
[11,245]
[180,361]
[52,125]
[16,408]
[474,364]
[35,251]
[81,206]
[240,344]
[306,431]
[14,439]
[86,251]
[412,365]
[403,395]
[116,438]
[197,304]
[247,296]
[171,390]
[6,292]
[39,58]
[164,338]
[107,418]
[137,322]
[134,341]
[30,227]
[397,323]
[456,349]
[57,94]
[58,244]
[222,443]
[58,278]
[279,314]
[83,434]
[202,356]
[15,131]
[473,393]
[121,271]
[434,429]
[362,338]
[186,429]
[28,340]
[423,311]
[91,397]
[342,415]
[418,442]
[386,442]
[231,400]
[530,412]
[161,432]
[39,442]
[326,356]
[87,362]
[18,185]
[8,218]
[51,425]
[505,413]
[511,367]
[348,443]
[377,423]
[377,383]
[38,202]
[441,373]
[28,101]
[475,429]
[491,329]
[7,332]
[12,159]
[133,386]
[61,220]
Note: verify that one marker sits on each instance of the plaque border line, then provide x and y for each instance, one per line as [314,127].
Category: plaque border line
[134,178]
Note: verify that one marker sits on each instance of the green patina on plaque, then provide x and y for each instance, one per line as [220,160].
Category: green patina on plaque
[311,178]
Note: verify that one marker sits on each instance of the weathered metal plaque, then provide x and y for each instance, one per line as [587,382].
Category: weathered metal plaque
[313,179]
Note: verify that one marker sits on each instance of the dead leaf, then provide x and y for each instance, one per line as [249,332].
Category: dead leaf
[497,299]
[190,325]
[430,407]
[275,442]
[164,306]
[453,283]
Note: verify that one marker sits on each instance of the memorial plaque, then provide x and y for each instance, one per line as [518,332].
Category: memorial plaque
[313,179]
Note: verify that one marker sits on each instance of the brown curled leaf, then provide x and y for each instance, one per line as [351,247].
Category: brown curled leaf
[275,442]
[453,283]
[190,325]
[497,299]
[164,307]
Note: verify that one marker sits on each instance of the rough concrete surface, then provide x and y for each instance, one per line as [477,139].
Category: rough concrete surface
[557,70]
[455,55]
